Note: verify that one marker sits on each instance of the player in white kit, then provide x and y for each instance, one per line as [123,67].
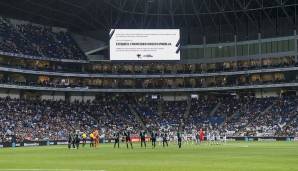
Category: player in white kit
[209,137]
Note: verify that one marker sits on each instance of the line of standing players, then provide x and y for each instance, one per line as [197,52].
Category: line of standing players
[142,136]
[73,140]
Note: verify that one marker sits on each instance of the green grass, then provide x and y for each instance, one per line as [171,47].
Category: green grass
[235,156]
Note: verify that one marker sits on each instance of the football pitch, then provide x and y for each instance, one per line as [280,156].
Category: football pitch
[233,156]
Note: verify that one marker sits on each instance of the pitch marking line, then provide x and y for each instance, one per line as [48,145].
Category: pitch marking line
[48,170]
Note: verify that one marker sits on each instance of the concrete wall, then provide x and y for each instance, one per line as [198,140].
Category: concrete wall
[175,98]
[268,93]
[56,96]
[90,98]
[80,98]
[53,96]
[14,94]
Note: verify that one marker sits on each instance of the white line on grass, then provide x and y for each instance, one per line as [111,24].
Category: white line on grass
[48,170]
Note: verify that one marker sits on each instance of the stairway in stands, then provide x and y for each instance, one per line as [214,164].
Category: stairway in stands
[137,116]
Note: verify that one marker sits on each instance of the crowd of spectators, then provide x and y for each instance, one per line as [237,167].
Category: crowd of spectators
[244,111]
[37,41]
[200,113]
[53,120]
[161,115]
[148,111]
[41,120]
[232,116]
[275,121]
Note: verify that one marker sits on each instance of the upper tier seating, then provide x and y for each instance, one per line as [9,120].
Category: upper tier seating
[37,41]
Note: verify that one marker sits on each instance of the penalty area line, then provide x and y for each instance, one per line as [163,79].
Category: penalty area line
[49,170]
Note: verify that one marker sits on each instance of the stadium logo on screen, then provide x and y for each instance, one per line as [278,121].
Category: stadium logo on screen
[140,56]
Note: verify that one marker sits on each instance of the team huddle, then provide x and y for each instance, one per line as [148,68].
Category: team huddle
[153,137]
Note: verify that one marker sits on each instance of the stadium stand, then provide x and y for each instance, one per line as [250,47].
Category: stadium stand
[152,68]
[33,120]
[37,40]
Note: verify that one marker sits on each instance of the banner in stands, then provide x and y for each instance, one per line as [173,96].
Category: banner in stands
[32,144]
[144,44]
[136,139]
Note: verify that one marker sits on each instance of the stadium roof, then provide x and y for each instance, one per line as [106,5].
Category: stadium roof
[106,14]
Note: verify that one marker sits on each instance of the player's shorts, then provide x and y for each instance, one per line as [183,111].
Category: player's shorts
[128,139]
[91,139]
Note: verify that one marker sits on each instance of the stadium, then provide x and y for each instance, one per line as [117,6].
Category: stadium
[176,85]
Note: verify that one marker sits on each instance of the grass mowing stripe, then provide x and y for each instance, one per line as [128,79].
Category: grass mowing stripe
[259,156]
[48,170]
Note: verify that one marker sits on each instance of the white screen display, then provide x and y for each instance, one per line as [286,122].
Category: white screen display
[145,44]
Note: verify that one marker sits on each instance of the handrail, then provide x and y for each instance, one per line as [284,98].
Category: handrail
[104,75]
[146,90]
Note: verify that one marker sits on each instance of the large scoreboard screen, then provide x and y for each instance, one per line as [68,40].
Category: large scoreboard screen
[144,44]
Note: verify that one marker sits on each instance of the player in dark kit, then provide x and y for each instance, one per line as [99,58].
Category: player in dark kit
[153,138]
[77,140]
[128,139]
[70,137]
[117,139]
[143,138]
[179,139]
[73,140]
[164,139]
